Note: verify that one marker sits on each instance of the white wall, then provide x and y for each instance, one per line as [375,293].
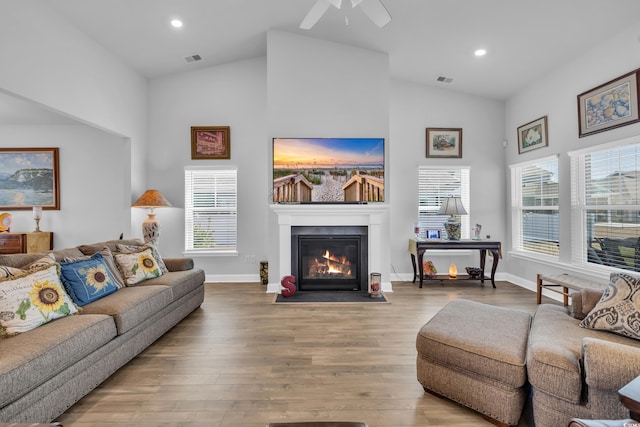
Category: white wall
[229,95]
[416,107]
[555,95]
[57,66]
[92,178]
[321,89]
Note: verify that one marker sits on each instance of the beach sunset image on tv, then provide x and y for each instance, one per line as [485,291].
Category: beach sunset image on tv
[328,170]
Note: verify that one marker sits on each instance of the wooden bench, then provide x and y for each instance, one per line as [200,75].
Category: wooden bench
[565,281]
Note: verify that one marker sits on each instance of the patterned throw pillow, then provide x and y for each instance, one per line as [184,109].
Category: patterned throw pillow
[46,260]
[10,272]
[618,310]
[127,249]
[87,280]
[33,299]
[137,267]
[109,261]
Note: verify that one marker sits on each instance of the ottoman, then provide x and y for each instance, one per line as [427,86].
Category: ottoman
[475,354]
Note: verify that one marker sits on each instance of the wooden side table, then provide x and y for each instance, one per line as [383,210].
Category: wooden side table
[26,243]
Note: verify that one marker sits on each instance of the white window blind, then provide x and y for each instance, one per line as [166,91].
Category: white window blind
[211,212]
[606,205]
[434,185]
[535,207]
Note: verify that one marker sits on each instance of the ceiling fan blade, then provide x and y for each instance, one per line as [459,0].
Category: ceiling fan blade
[375,10]
[316,12]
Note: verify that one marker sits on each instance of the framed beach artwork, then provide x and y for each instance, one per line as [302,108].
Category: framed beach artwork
[210,142]
[610,105]
[29,177]
[533,135]
[444,142]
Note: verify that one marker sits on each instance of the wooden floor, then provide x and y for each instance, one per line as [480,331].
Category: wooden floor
[241,360]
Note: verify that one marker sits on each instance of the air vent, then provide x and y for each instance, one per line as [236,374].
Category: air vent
[443,79]
[193,58]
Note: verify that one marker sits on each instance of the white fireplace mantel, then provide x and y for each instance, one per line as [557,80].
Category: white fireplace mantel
[374,216]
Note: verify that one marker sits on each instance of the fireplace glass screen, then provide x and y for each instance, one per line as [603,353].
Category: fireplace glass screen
[329,262]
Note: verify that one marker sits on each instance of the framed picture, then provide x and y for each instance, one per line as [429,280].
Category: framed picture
[29,177]
[433,234]
[444,143]
[533,135]
[609,106]
[210,142]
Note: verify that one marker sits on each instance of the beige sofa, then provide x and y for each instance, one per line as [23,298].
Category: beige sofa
[571,371]
[46,370]
[574,371]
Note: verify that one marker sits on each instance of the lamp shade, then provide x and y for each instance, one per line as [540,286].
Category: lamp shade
[452,205]
[151,199]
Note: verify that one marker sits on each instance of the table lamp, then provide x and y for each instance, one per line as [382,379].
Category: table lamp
[151,199]
[453,207]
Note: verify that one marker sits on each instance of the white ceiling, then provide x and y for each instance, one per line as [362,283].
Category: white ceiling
[425,39]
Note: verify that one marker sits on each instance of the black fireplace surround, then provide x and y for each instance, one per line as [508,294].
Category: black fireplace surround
[330,258]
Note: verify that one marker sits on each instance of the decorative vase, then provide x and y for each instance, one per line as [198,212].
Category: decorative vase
[375,283]
[264,272]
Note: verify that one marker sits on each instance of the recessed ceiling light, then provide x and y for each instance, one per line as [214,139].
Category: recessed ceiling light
[176,23]
[480,52]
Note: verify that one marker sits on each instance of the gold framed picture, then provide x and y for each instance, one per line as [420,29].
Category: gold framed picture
[210,142]
[29,177]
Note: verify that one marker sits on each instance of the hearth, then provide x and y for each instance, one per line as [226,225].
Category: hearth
[330,258]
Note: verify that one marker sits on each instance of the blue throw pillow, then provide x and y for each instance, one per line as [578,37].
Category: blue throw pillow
[87,280]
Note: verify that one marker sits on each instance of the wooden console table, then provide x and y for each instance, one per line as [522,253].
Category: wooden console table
[417,249]
[22,243]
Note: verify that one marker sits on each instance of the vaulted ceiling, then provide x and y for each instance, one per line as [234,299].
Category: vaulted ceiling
[426,39]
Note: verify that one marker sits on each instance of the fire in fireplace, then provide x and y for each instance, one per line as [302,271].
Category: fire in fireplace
[329,258]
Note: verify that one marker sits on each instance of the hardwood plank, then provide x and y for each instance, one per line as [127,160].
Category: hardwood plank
[242,361]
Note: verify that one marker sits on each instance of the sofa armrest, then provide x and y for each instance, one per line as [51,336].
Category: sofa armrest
[178,264]
[609,365]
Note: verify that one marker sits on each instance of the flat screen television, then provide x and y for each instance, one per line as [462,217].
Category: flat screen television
[328,170]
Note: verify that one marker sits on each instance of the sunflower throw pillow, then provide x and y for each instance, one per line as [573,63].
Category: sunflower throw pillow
[87,280]
[33,299]
[108,260]
[137,267]
[128,249]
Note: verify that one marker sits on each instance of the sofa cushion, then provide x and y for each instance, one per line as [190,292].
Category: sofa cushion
[18,260]
[87,280]
[554,354]
[180,282]
[32,299]
[618,310]
[30,359]
[111,244]
[61,254]
[131,306]
[137,267]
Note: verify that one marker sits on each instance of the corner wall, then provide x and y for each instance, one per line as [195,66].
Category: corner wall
[57,66]
[555,95]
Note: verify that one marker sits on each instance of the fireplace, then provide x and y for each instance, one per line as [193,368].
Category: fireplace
[330,258]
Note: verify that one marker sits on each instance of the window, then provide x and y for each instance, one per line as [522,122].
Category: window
[605,203]
[534,203]
[210,210]
[434,185]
